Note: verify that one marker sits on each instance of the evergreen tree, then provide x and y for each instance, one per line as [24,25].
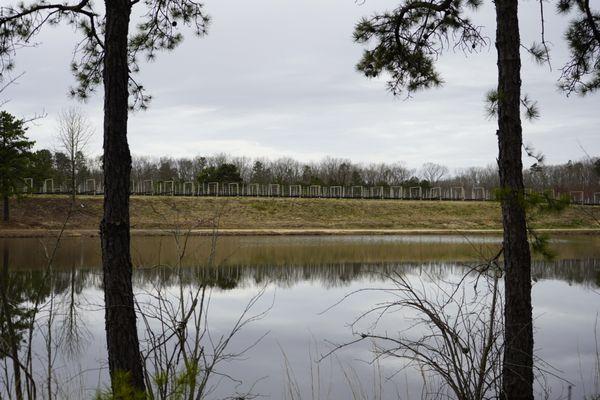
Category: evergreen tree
[166,169]
[62,168]
[581,74]
[82,172]
[356,178]
[408,41]
[41,166]
[108,54]
[224,173]
[15,157]
[260,174]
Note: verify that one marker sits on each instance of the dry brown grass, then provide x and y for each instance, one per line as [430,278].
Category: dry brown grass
[48,212]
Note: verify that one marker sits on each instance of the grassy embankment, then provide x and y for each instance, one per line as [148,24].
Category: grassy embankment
[282,215]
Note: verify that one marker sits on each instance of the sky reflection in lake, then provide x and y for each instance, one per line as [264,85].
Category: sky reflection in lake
[303,277]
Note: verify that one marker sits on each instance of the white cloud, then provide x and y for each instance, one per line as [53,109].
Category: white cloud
[277,78]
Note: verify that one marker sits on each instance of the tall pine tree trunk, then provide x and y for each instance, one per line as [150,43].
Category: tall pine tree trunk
[517,370]
[120,319]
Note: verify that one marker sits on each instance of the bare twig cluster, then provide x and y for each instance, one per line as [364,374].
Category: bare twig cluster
[182,355]
[453,336]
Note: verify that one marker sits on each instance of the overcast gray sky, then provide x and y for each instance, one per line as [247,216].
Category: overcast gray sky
[276,78]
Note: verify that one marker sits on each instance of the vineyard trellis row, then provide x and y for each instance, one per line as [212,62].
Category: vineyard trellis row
[235,189]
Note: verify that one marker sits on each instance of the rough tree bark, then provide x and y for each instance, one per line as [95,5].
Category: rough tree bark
[518,350]
[120,319]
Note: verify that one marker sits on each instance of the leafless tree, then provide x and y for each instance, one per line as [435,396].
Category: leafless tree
[576,175]
[182,355]
[433,172]
[74,133]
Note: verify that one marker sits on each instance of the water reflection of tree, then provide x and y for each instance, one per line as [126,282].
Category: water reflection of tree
[73,332]
[585,272]
[17,291]
[283,251]
[30,308]
[12,325]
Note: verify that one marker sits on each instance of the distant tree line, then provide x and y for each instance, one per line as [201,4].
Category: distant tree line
[69,164]
[56,165]
[70,168]
[580,175]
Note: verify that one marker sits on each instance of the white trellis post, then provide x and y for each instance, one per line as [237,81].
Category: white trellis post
[478,193]
[273,189]
[396,192]
[213,188]
[28,188]
[314,190]
[576,192]
[187,185]
[148,187]
[457,193]
[295,190]
[360,190]
[416,189]
[171,185]
[435,193]
[336,191]
[45,187]
[233,188]
[254,189]
[86,187]
[376,191]
[597,198]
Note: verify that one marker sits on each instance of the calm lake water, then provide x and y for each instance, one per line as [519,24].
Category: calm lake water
[304,279]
